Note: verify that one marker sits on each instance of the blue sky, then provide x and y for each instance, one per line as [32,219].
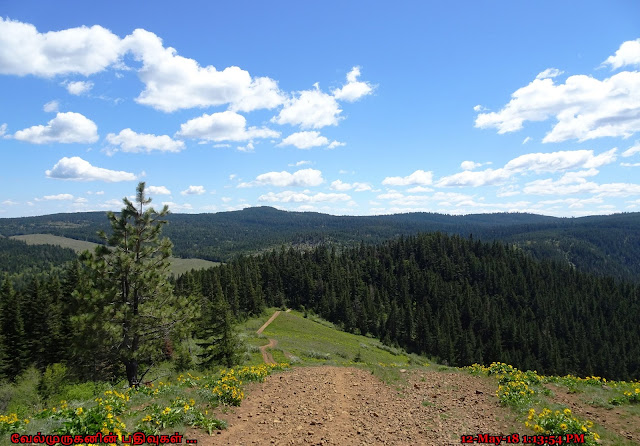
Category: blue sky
[339,107]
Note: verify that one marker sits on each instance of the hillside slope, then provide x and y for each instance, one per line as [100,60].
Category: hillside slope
[604,245]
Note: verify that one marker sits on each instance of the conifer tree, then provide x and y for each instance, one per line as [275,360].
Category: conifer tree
[220,343]
[131,307]
[12,331]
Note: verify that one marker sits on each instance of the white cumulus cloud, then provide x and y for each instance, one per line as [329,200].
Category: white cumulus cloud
[158,190]
[130,141]
[307,140]
[82,50]
[353,89]
[194,190]
[174,82]
[627,54]
[357,187]
[419,177]
[75,168]
[223,126]
[300,178]
[310,109]
[66,127]
[584,107]
[79,87]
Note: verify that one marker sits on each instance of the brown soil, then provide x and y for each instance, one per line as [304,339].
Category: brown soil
[614,420]
[340,406]
[267,357]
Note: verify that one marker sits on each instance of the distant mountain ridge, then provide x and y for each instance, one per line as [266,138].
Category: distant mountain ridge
[604,245]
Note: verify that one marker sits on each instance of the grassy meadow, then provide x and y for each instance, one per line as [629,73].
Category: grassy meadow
[178,265]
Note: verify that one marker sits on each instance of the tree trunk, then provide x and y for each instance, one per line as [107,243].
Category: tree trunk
[132,372]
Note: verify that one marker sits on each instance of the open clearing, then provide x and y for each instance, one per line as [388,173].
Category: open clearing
[178,265]
[328,405]
[383,396]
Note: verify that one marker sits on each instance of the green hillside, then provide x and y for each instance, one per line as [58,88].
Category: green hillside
[603,245]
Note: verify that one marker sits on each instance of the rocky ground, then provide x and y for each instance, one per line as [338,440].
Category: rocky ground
[341,406]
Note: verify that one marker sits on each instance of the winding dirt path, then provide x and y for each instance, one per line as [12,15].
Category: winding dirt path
[267,357]
[347,406]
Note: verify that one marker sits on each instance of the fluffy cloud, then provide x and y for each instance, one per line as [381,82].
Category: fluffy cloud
[79,87]
[158,190]
[223,126]
[300,178]
[130,141]
[76,168]
[627,54]
[24,50]
[353,89]
[66,127]
[193,190]
[585,107]
[3,129]
[310,109]
[307,140]
[419,177]
[357,187]
[302,197]
[173,82]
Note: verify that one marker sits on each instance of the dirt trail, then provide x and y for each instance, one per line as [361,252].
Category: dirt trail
[266,324]
[337,406]
[267,357]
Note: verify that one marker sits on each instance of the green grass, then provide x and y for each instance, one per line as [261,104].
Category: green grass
[178,265]
[48,239]
[313,341]
[181,266]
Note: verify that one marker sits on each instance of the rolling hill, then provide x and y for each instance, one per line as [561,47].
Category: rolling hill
[604,245]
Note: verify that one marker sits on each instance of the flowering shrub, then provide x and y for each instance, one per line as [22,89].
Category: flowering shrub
[629,397]
[560,422]
[104,414]
[11,423]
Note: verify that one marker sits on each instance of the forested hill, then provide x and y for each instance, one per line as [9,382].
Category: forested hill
[605,245]
[460,300]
